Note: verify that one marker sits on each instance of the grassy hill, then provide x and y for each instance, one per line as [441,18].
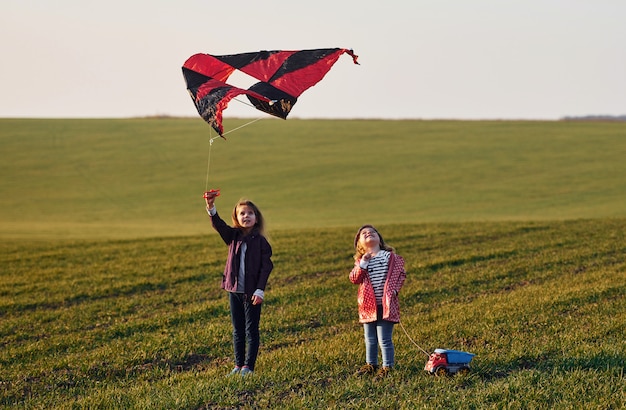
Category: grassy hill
[145,177]
[513,234]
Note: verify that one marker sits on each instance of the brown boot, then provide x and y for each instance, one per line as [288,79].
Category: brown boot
[382,373]
[366,369]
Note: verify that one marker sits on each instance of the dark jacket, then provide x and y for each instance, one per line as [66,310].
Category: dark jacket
[258,262]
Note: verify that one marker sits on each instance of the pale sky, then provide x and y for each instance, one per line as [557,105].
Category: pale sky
[426,59]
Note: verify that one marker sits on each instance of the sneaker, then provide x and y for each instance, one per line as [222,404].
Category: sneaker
[366,369]
[382,372]
[235,371]
[245,371]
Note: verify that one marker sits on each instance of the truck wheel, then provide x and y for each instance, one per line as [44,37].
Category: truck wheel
[441,371]
[464,370]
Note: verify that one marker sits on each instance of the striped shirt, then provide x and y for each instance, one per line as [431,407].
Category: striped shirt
[377,270]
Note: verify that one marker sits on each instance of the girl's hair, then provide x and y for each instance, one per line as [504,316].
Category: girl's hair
[359,251]
[260,222]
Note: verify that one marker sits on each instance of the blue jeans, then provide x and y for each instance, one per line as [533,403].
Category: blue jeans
[379,333]
[245,318]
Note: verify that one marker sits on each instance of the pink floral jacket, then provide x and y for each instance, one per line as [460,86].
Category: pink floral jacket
[366,298]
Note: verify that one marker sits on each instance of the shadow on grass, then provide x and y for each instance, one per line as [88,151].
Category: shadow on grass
[548,363]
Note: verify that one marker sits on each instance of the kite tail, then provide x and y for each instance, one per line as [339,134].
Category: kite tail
[354,56]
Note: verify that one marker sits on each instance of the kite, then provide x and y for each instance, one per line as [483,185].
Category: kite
[283,76]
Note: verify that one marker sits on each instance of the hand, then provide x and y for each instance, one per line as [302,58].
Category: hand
[367,256]
[256,300]
[210,196]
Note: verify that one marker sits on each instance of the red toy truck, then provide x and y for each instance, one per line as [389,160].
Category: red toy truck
[445,362]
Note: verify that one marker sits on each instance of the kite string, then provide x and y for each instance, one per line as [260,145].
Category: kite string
[208,166]
[241,126]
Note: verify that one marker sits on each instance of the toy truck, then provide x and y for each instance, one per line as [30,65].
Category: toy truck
[445,362]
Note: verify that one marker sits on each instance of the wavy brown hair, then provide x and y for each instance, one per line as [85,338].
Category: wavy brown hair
[259,225]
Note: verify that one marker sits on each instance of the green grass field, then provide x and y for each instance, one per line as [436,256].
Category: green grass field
[143,324]
[513,233]
[145,177]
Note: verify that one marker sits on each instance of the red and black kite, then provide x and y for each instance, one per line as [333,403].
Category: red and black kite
[282,75]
